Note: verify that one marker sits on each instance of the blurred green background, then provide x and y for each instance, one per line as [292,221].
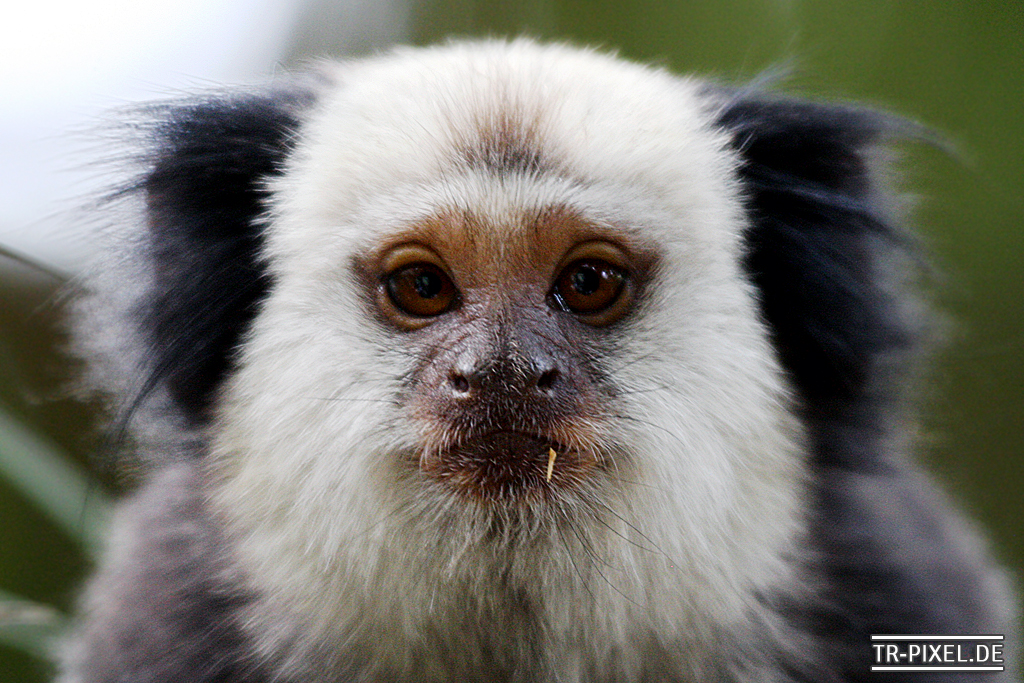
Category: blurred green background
[957,66]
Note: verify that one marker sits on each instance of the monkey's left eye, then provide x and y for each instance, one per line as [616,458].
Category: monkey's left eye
[420,289]
[591,287]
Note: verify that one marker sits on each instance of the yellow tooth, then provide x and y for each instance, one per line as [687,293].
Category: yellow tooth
[551,461]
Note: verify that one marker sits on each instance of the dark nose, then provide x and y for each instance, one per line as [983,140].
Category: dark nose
[515,375]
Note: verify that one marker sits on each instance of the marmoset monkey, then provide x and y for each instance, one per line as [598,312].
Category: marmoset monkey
[497,361]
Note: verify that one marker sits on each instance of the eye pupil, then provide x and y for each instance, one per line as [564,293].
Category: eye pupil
[428,285]
[586,280]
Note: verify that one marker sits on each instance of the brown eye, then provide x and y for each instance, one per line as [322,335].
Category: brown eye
[589,286]
[420,289]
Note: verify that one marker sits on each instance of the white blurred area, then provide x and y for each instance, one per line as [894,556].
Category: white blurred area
[64,63]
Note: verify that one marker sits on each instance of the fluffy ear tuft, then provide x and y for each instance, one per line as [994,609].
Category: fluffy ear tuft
[204,192]
[820,232]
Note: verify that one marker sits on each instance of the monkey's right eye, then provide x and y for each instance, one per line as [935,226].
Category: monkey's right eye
[420,289]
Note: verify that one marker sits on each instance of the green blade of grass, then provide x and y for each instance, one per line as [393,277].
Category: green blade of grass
[29,626]
[53,483]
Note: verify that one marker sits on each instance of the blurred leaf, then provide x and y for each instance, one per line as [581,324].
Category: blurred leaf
[53,482]
[34,263]
[29,626]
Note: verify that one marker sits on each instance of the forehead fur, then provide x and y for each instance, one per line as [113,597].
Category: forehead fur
[549,120]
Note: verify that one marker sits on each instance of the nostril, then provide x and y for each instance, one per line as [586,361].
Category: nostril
[546,382]
[459,383]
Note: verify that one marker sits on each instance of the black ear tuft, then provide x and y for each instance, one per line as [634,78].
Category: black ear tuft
[819,229]
[204,192]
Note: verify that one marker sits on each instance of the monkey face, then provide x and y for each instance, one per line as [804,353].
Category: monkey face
[510,286]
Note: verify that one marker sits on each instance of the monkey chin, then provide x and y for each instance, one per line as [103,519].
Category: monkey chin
[507,467]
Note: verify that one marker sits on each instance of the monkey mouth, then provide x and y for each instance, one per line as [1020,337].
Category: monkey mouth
[508,466]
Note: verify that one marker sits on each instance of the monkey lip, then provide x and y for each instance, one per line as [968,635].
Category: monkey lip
[508,465]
